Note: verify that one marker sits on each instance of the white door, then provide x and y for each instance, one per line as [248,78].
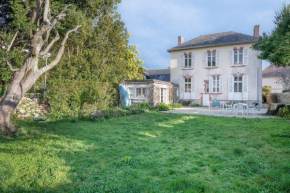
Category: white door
[205,100]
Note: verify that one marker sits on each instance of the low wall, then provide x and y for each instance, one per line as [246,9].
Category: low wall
[278,98]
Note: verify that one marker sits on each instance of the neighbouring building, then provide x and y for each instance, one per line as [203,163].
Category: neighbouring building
[219,66]
[151,91]
[271,75]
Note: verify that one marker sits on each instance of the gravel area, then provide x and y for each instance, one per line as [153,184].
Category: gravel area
[219,112]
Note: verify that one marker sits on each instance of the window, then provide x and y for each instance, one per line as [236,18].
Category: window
[187,60]
[187,84]
[238,84]
[207,87]
[238,56]
[163,95]
[211,59]
[216,84]
[141,92]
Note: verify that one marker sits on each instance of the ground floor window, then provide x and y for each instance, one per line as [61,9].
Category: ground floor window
[216,84]
[238,84]
[187,84]
[163,95]
[138,92]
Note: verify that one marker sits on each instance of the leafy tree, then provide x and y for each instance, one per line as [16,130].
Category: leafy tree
[99,50]
[266,90]
[275,46]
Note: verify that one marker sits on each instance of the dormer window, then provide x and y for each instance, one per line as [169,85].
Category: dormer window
[211,58]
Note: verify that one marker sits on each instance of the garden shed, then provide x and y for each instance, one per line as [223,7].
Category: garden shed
[151,91]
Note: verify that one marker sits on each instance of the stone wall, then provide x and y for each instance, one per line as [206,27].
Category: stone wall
[31,108]
[278,98]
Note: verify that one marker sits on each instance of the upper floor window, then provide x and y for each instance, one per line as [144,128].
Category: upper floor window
[211,58]
[238,84]
[238,56]
[187,60]
[216,84]
[187,84]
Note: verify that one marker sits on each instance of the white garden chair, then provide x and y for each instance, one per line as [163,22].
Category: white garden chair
[240,107]
[229,107]
[251,108]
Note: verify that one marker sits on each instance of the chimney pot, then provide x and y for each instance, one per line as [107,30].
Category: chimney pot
[256,31]
[180,40]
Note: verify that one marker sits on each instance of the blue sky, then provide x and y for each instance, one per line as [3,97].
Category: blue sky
[156,24]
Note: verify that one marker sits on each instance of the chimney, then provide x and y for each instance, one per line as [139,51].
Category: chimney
[256,31]
[180,40]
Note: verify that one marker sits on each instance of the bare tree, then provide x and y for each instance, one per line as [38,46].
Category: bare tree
[25,76]
[284,80]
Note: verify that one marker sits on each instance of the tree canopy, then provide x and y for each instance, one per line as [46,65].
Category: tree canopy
[275,46]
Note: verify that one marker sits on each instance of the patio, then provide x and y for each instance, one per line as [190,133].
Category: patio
[219,112]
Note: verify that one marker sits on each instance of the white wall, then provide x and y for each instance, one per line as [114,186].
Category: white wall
[272,82]
[200,73]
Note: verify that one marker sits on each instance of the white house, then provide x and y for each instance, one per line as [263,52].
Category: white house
[219,66]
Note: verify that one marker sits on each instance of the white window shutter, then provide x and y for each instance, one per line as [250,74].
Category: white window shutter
[218,58]
[181,86]
[210,84]
[246,56]
[193,60]
[245,87]
[245,83]
[230,57]
[231,84]
[204,59]
[181,61]
[192,84]
[221,84]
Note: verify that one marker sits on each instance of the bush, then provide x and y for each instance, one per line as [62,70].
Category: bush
[163,107]
[285,112]
[196,105]
[176,105]
[144,106]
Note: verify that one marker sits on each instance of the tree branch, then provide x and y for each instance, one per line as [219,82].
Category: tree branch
[50,44]
[60,52]
[10,66]
[46,11]
[12,41]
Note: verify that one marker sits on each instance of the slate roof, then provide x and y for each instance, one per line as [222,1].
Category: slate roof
[273,71]
[224,38]
[159,74]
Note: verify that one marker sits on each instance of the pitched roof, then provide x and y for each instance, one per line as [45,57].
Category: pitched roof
[273,71]
[159,74]
[217,39]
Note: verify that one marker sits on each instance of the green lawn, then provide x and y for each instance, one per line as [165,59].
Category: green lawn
[151,152]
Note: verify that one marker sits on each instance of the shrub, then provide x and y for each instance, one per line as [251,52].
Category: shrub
[196,105]
[176,105]
[163,107]
[144,106]
[285,112]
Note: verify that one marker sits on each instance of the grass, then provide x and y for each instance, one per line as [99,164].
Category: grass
[151,152]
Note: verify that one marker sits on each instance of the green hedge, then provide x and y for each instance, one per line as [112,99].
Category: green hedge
[73,98]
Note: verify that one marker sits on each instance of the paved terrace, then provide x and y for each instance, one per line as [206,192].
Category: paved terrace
[219,112]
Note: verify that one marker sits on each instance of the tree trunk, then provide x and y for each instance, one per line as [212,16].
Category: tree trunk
[6,109]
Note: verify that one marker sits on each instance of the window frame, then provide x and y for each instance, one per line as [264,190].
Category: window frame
[238,84]
[212,59]
[163,95]
[238,55]
[187,60]
[143,92]
[187,85]
[216,84]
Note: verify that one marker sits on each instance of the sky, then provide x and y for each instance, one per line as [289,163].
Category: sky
[156,24]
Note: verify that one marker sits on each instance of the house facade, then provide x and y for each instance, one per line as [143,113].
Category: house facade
[219,66]
[271,75]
